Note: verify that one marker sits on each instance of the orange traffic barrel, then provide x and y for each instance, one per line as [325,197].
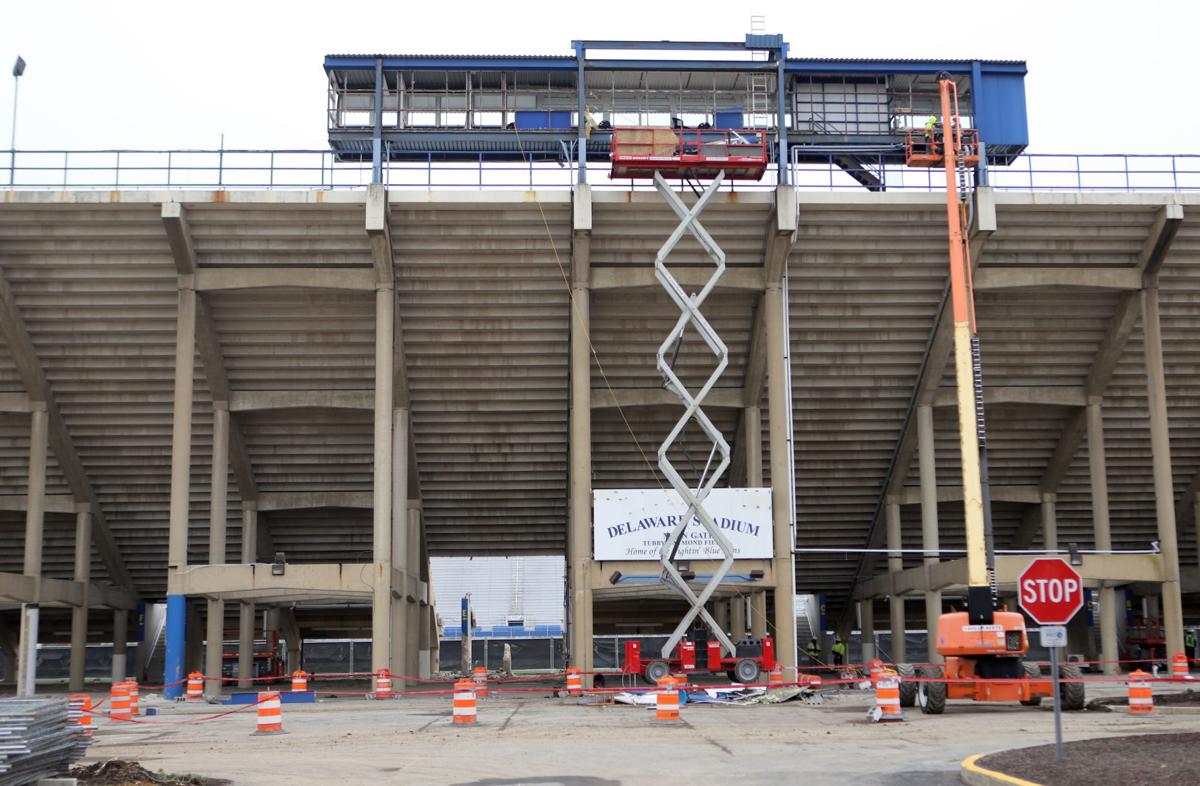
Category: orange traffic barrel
[1141,695]
[887,698]
[666,706]
[776,678]
[195,686]
[299,681]
[119,701]
[133,696]
[1179,667]
[875,668]
[481,688]
[574,682]
[464,703]
[383,684]
[80,706]
[270,713]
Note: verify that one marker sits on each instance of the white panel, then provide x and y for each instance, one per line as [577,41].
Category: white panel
[490,582]
[631,524]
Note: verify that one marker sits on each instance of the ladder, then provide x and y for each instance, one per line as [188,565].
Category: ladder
[760,86]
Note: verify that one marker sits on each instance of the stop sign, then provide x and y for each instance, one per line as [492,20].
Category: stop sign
[1050,591]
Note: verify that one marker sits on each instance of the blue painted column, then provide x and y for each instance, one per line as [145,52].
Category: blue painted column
[176,634]
[181,458]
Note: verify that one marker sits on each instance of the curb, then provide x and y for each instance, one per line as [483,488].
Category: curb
[972,774]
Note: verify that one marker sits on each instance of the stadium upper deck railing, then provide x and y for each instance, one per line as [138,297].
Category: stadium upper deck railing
[318,169]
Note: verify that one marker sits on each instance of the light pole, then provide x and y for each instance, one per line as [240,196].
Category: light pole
[18,69]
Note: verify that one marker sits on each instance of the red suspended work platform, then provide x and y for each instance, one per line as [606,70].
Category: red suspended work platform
[692,153]
[927,149]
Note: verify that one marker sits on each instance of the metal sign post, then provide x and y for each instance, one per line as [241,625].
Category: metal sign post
[1054,638]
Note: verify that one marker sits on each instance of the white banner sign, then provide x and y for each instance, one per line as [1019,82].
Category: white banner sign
[631,524]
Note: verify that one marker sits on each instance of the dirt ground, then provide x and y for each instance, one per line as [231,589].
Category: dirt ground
[530,738]
[1141,760]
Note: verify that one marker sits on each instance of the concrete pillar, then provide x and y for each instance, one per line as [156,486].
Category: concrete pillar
[381,609]
[784,569]
[401,524]
[1164,490]
[737,617]
[1049,522]
[1097,467]
[1196,521]
[866,614]
[425,640]
[412,606]
[899,651]
[214,654]
[181,472]
[752,433]
[758,615]
[930,537]
[579,530]
[79,614]
[35,514]
[246,609]
[721,613]
[120,644]
[27,657]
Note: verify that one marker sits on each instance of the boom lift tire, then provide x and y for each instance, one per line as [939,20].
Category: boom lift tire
[931,696]
[908,685]
[1071,690]
[656,670]
[745,671]
[1033,671]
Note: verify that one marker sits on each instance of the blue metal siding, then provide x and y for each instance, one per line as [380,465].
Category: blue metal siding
[1000,109]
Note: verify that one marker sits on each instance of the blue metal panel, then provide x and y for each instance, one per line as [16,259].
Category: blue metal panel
[173,659]
[1000,109]
[729,118]
[533,120]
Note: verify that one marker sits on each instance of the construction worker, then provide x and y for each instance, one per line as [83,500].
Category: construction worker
[1189,645]
[839,653]
[931,128]
[814,652]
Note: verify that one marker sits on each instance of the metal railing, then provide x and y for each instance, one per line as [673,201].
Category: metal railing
[319,169]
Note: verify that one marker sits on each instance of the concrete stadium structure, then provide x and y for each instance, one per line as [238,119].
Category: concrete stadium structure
[361,379]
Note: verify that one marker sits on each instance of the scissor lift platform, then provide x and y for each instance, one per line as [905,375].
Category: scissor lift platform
[691,153]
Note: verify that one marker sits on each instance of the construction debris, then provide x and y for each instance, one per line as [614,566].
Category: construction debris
[39,738]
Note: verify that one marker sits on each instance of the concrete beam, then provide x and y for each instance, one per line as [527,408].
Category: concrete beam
[33,377]
[1026,495]
[617,278]
[1109,569]
[1022,277]
[1033,395]
[305,500]
[778,242]
[54,503]
[15,403]
[255,581]
[264,400]
[380,233]
[42,591]
[611,398]
[230,278]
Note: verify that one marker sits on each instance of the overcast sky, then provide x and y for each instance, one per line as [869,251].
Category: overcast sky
[1110,77]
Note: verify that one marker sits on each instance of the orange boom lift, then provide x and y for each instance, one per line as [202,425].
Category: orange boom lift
[983,645]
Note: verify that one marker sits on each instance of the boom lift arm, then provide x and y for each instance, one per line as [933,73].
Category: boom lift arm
[981,560]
